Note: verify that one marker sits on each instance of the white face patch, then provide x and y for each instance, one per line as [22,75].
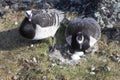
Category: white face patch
[92,41]
[80,41]
[28,14]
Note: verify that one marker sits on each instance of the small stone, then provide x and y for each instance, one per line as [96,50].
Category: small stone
[1,13]
[62,59]
[119,60]
[103,8]
[31,45]
[101,21]
[26,1]
[101,53]
[75,57]
[44,78]
[61,67]
[7,7]
[115,58]
[16,23]
[54,64]
[118,15]
[104,60]
[34,59]
[15,6]
[22,6]
[107,68]
[9,72]
[110,26]
[92,73]
[92,68]
[15,78]
[97,14]
[26,60]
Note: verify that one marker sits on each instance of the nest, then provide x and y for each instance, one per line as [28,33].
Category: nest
[61,55]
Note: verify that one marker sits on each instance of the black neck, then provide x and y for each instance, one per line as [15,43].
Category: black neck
[76,46]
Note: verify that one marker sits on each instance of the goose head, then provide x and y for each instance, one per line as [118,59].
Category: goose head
[28,14]
[80,42]
[80,39]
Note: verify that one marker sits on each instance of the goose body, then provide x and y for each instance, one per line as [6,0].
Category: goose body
[46,23]
[82,33]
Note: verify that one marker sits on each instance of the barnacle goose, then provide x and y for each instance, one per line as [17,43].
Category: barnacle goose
[40,24]
[81,34]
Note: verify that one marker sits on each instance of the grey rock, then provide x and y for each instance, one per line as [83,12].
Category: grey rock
[115,58]
[44,4]
[107,13]
[117,7]
[118,15]
[10,2]
[15,78]
[92,68]
[22,6]
[44,78]
[53,64]
[107,68]
[101,53]
[27,1]
[2,12]
[15,6]
[109,26]
[92,73]
[34,59]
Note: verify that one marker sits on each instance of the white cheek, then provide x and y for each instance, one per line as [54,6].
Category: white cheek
[92,41]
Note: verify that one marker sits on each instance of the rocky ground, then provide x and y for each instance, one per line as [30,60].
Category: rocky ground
[19,60]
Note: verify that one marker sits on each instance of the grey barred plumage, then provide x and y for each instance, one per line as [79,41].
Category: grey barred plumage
[46,21]
[46,17]
[88,26]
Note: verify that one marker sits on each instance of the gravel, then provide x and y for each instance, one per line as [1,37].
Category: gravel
[115,58]
[106,12]
[115,33]
[2,12]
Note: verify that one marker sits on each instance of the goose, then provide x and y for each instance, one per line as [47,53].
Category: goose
[41,24]
[81,34]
